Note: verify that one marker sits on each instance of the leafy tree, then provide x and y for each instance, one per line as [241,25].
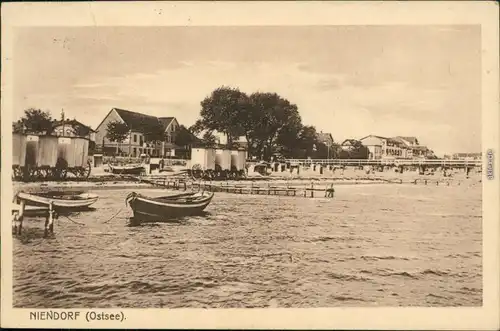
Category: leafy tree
[184,137]
[308,140]
[81,130]
[36,121]
[117,132]
[268,121]
[358,151]
[153,132]
[222,111]
[343,154]
[17,127]
[209,139]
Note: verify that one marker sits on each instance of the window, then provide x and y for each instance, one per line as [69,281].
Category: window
[140,140]
[135,138]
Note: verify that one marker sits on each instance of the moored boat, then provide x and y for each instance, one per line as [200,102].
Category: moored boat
[73,200]
[127,169]
[165,208]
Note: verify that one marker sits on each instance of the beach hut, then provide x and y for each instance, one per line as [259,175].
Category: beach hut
[223,159]
[203,159]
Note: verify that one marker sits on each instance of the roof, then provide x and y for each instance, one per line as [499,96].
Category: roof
[351,141]
[324,137]
[399,140]
[372,135]
[411,140]
[136,121]
[419,147]
[165,121]
[72,122]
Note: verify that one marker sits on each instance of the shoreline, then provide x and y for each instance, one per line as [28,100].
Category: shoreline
[114,183]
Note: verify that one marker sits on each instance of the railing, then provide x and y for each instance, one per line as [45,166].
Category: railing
[388,162]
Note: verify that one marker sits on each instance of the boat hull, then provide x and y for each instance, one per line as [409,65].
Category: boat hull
[84,200]
[147,209]
[127,170]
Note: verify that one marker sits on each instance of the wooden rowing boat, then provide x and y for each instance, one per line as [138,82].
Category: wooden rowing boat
[64,200]
[165,208]
[127,169]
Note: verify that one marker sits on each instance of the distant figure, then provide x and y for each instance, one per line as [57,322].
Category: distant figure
[329,192]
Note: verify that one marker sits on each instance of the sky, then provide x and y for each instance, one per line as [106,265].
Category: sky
[351,81]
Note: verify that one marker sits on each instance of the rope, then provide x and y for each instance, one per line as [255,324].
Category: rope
[121,209]
[73,220]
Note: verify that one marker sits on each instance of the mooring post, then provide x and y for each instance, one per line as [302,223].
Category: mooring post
[20,217]
[51,219]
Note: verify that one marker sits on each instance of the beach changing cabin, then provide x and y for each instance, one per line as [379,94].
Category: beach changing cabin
[238,159]
[223,158]
[204,157]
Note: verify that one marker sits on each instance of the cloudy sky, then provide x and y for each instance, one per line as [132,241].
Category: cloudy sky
[351,81]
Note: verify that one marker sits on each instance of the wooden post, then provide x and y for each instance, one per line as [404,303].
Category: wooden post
[49,220]
[20,216]
[312,190]
[268,189]
[251,187]
[185,186]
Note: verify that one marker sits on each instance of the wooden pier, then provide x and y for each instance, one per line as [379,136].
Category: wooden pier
[313,189]
[443,163]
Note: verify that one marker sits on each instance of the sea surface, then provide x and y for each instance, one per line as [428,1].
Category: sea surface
[372,245]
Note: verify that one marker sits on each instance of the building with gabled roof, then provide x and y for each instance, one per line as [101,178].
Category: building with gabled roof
[324,138]
[136,144]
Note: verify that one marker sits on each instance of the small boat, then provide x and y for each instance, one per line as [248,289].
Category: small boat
[127,169]
[167,207]
[63,200]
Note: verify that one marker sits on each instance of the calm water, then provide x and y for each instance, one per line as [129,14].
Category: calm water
[385,245]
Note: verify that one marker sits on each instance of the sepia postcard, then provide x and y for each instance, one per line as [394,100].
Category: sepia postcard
[244,165]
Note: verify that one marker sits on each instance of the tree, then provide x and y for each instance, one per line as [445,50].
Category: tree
[153,131]
[270,121]
[209,139]
[184,137]
[117,132]
[81,130]
[358,151]
[36,121]
[308,140]
[222,111]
